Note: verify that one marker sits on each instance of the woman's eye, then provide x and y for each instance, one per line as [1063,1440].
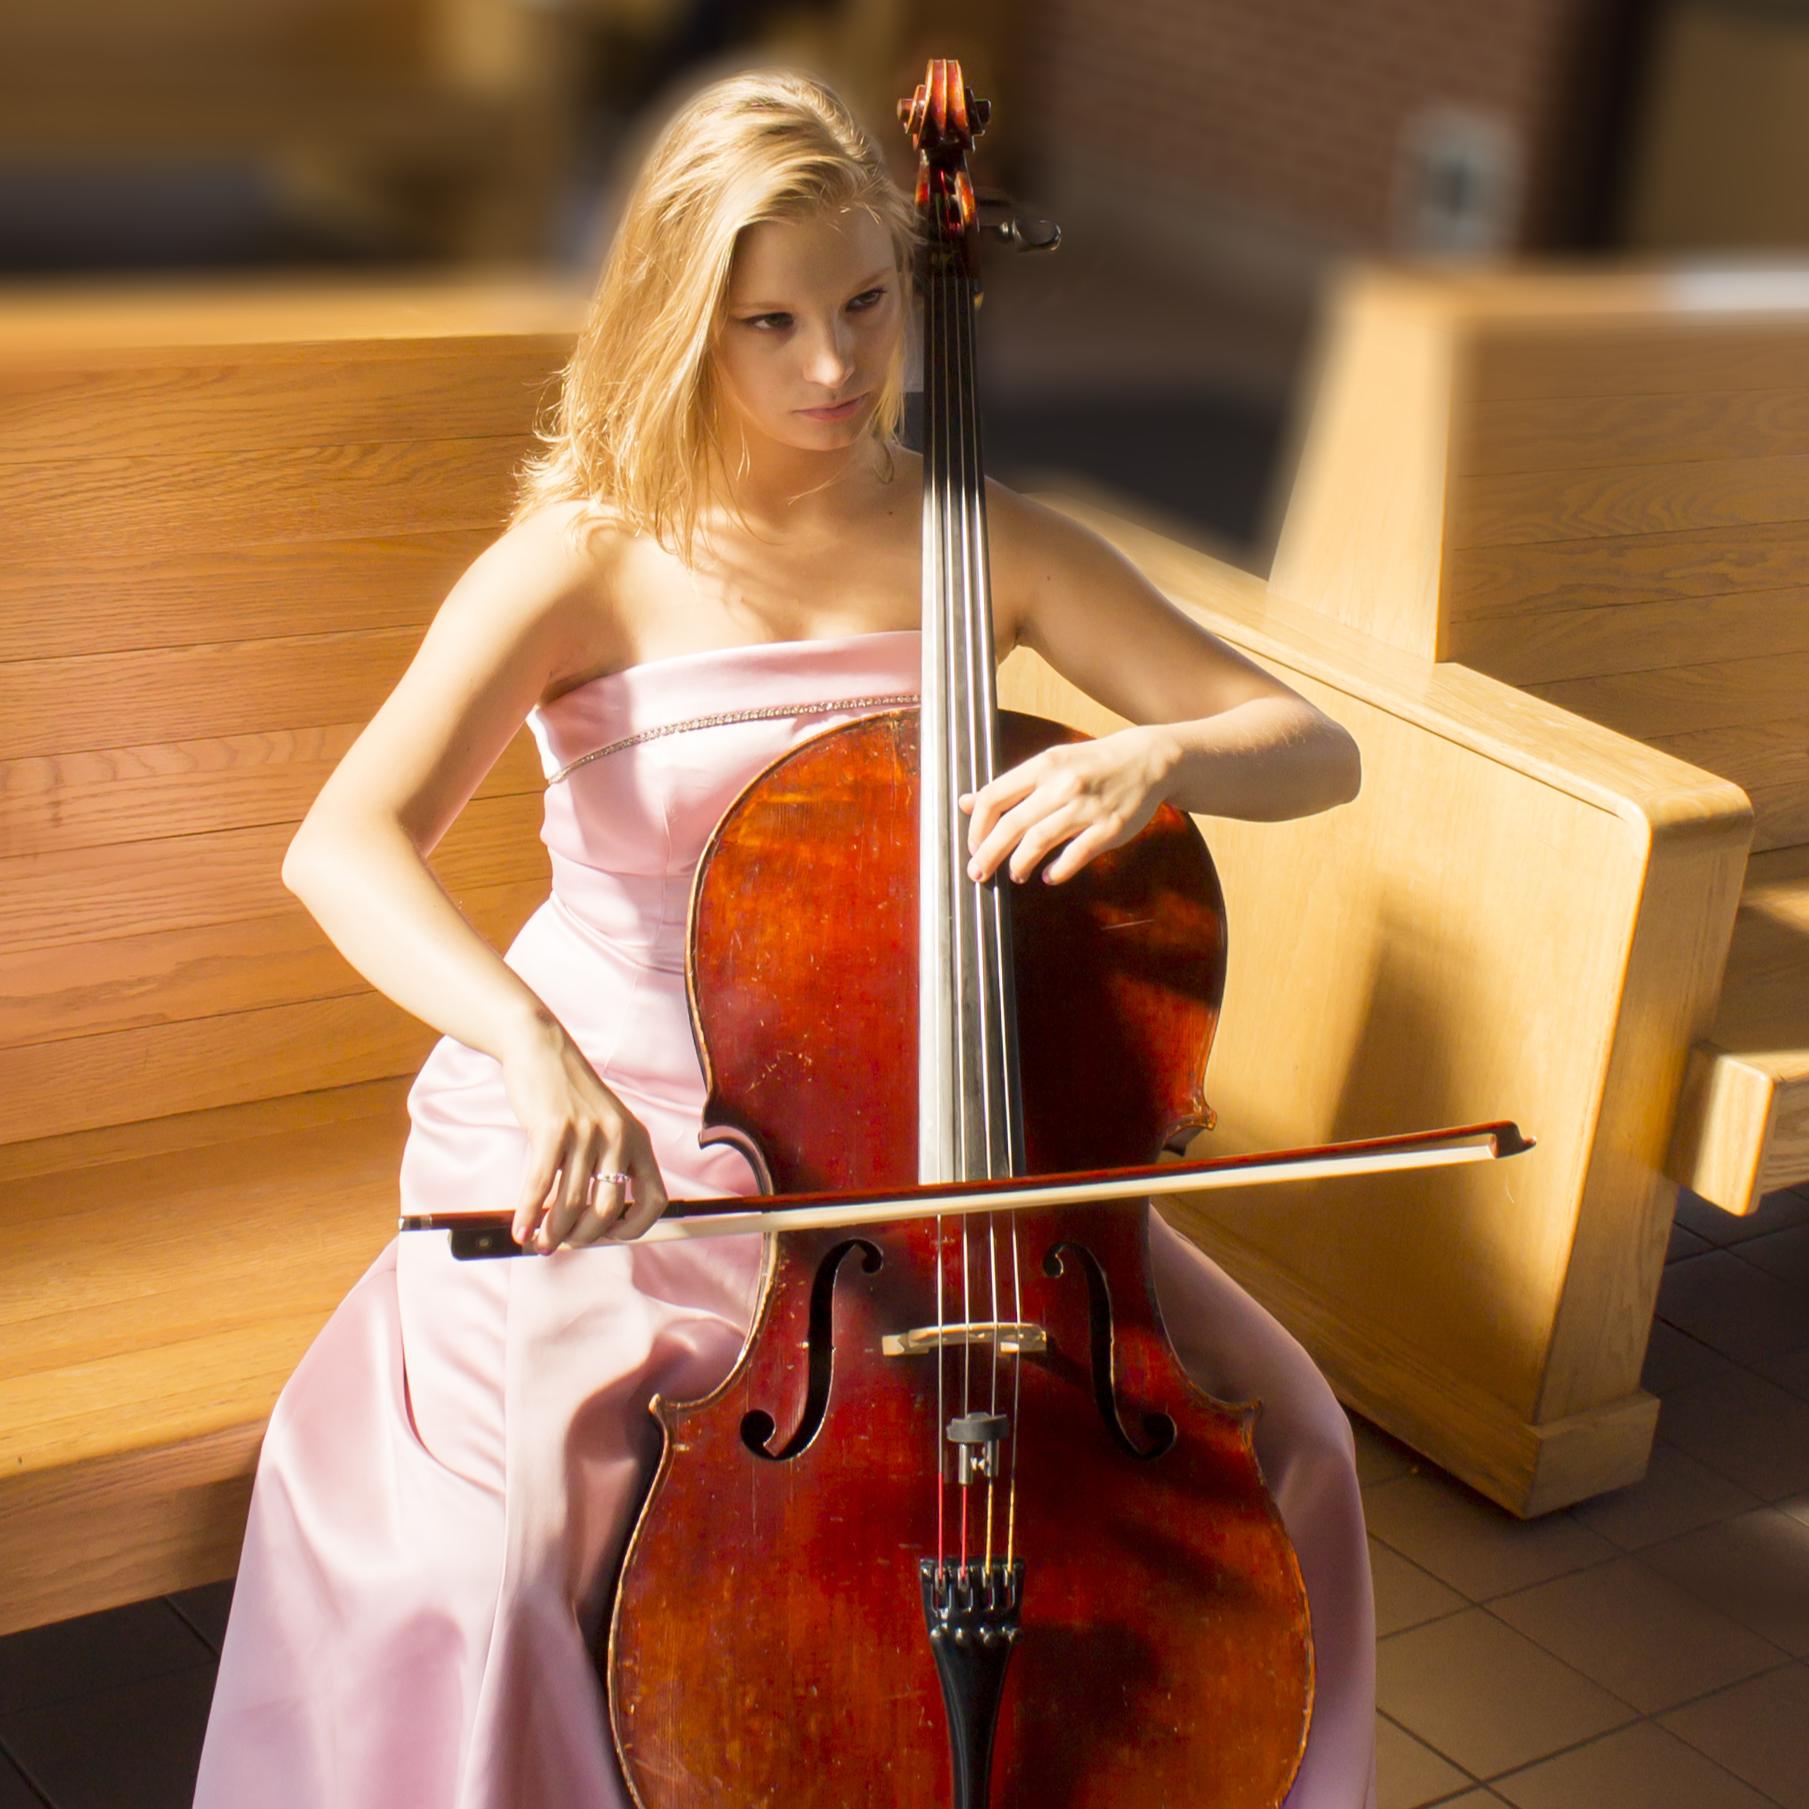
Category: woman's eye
[866,300]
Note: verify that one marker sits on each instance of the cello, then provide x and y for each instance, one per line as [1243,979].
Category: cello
[958,1528]
[955,1451]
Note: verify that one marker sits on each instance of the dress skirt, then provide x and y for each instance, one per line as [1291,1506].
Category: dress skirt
[451,1473]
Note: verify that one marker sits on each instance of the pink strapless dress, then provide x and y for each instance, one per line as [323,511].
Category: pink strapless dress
[451,1472]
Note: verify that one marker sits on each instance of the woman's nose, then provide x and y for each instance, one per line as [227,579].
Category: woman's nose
[829,361]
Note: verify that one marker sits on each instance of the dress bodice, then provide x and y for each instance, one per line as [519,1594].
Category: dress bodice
[641,764]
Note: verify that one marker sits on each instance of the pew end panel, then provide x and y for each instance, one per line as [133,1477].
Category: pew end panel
[1521,915]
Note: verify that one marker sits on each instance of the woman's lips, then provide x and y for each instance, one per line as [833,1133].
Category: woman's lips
[835,414]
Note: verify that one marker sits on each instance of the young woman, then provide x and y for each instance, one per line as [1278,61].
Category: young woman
[715,556]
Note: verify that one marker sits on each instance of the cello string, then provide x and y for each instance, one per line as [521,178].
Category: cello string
[977,755]
[947,574]
[937,454]
[954,614]
[1001,1024]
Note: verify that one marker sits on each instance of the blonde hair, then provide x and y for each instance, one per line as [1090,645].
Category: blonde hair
[635,428]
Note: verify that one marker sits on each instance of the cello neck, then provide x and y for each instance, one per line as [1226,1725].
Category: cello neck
[970,1116]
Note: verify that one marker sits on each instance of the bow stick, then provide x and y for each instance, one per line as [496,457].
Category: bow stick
[486,1234]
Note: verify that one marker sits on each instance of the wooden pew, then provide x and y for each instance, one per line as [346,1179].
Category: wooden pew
[1573,501]
[232,520]
[1610,511]
[229,522]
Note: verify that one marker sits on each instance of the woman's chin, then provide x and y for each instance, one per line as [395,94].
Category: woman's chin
[807,435]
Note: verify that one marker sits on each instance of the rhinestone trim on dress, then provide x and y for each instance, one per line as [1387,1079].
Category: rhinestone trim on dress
[889,700]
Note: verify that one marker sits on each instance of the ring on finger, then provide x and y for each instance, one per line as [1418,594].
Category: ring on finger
[606,1178]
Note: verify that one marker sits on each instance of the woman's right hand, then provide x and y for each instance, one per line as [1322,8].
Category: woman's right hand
[576,1128]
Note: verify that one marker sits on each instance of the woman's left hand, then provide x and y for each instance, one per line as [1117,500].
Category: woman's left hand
[1093,795]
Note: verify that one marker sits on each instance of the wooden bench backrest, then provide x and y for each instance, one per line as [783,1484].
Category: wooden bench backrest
[223,548]
[1593,488]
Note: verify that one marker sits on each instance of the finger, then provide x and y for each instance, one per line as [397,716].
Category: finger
[1040,837]
[1004,791]
[1061,787]
[648,1196]
[542,1165]
[1003,836]
[603,1209]
[1092,840]
[1043,816]
[583,1160]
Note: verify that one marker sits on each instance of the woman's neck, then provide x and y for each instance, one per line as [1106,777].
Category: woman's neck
[790,494]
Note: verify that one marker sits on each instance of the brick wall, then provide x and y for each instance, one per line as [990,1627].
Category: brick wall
[1291,111]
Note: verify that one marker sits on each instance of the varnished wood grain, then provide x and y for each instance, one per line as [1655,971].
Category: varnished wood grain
[1674,700]
[285,317]
[57,804]
[119,598]
[1163,1624]
[135,1383]
[1579,574]
[1550,645]
[1531,507]
[1624,347]
[109,700]
[266,397]
[1516,432]
[223,549]
[206,970]
[193,499]
[1609,511]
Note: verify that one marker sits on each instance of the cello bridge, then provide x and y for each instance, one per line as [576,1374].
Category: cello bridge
[1013,1337]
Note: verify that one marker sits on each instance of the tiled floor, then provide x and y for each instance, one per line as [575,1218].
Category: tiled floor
[1643,1651]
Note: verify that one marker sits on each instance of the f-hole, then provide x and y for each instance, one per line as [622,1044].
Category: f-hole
[757,1427]
[1158,1428]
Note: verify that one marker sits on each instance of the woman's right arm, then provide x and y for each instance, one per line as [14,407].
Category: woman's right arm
[504,634]
[358,860]
[366,884]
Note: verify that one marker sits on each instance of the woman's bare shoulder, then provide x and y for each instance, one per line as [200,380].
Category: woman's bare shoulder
[499,643]
[560,545]
[562,561]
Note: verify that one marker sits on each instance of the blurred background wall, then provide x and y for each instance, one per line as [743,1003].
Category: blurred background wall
[1210,161]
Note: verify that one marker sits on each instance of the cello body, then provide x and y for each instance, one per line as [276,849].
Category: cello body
[775,1633]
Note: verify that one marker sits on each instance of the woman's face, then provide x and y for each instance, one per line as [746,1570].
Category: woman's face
[812,318]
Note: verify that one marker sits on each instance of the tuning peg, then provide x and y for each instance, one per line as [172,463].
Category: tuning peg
[1020,233]
[1026,235]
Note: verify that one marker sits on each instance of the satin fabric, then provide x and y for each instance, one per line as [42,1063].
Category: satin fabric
[451,1472]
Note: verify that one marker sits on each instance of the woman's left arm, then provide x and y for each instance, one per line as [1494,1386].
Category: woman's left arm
[1211,731]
